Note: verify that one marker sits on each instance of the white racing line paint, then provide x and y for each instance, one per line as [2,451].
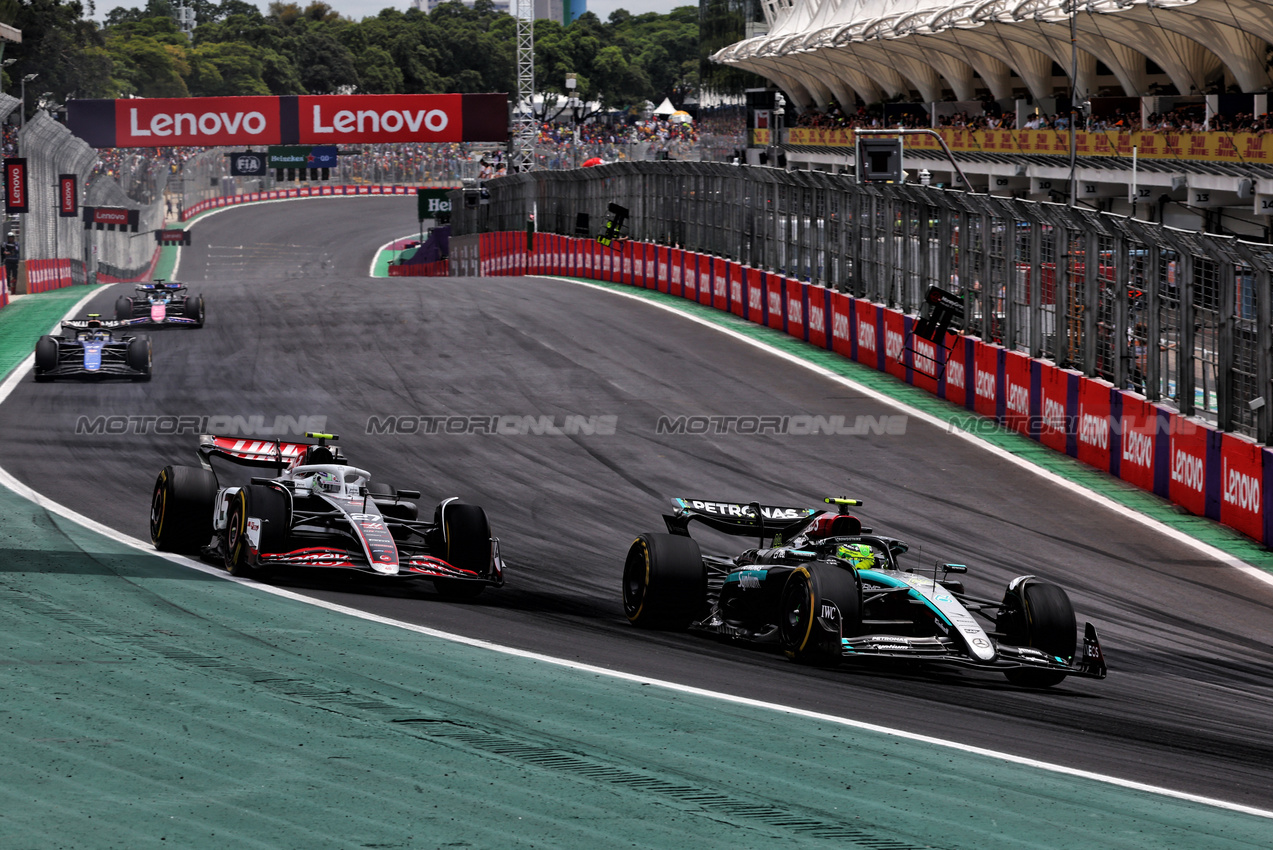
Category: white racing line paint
[9,481]
[1105,502]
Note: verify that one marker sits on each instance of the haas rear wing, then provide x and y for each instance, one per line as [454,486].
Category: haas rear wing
[753,519]
[264,453]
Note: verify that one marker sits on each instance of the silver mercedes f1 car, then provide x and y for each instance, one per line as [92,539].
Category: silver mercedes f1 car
[826,590]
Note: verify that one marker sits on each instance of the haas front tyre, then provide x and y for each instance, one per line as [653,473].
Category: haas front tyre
[181,509]
[664,581]
[820,603]
[1037,614]
[467,537]
[257,523]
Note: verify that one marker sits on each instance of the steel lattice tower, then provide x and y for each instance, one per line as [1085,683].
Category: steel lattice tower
[524,125]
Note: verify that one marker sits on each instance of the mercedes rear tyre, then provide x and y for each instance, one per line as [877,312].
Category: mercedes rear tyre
[138,357]
[664,581]
[467,536]
[46,349]
[181,509]
[257,523]
[820,603]
[1038,615]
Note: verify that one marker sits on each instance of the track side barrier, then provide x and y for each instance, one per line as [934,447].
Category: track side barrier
[47,275]
[304,192]
[109,274]
[1217,475]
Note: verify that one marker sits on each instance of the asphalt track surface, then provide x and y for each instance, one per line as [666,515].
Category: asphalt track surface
[296,328]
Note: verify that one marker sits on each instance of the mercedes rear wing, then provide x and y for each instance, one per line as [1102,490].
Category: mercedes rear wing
[743,520]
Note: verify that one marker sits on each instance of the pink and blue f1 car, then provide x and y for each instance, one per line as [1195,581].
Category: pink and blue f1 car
[161,303]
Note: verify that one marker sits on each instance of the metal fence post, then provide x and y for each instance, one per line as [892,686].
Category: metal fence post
[1224,384]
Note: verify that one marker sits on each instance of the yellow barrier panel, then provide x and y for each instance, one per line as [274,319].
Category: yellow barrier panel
[1200,147]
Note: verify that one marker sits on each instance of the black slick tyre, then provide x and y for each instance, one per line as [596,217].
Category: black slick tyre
[123,308]
[820,603]
[467,536]
[664,581]
[181,509]
[254,510]
[1038,615]
[194,309]
[46,349]
[391,507]
[138,357]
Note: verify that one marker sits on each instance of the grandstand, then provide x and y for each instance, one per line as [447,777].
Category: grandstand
[1177,86]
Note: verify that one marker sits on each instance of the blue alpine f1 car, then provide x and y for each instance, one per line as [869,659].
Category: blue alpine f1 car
[161,303]
[91,348]
[826,590]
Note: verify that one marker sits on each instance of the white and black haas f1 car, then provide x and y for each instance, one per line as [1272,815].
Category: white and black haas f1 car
[92,348]
[160,304]
[827,590]
[318,512]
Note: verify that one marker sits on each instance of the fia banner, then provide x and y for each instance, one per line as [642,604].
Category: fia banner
[68,195]
[15,185]
[247,164]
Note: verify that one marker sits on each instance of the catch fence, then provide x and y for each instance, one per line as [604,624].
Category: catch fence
[1180,317]
[52,151]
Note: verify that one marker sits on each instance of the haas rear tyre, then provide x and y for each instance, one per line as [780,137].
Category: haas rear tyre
[257,523]
[45,358]
[139,357]
[664,581]
[1038,615]
[181,509]
[820,603]
[123,308]
[467,536]
[391,507]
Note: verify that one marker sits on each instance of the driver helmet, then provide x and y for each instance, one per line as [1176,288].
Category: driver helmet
[858,555]
[327,482]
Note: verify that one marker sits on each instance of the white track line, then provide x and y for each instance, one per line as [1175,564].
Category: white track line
[1159,527]
[7,480]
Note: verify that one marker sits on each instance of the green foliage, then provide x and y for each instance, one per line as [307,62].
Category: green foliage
[307,47]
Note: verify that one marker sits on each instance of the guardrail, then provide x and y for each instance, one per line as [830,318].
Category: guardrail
[1209,473]
[190,212]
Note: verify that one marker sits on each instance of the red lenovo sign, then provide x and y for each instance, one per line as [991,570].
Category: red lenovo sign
[15,184]
[290,120]
[68,195]
[381,118]
[145,122]
[110,215]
